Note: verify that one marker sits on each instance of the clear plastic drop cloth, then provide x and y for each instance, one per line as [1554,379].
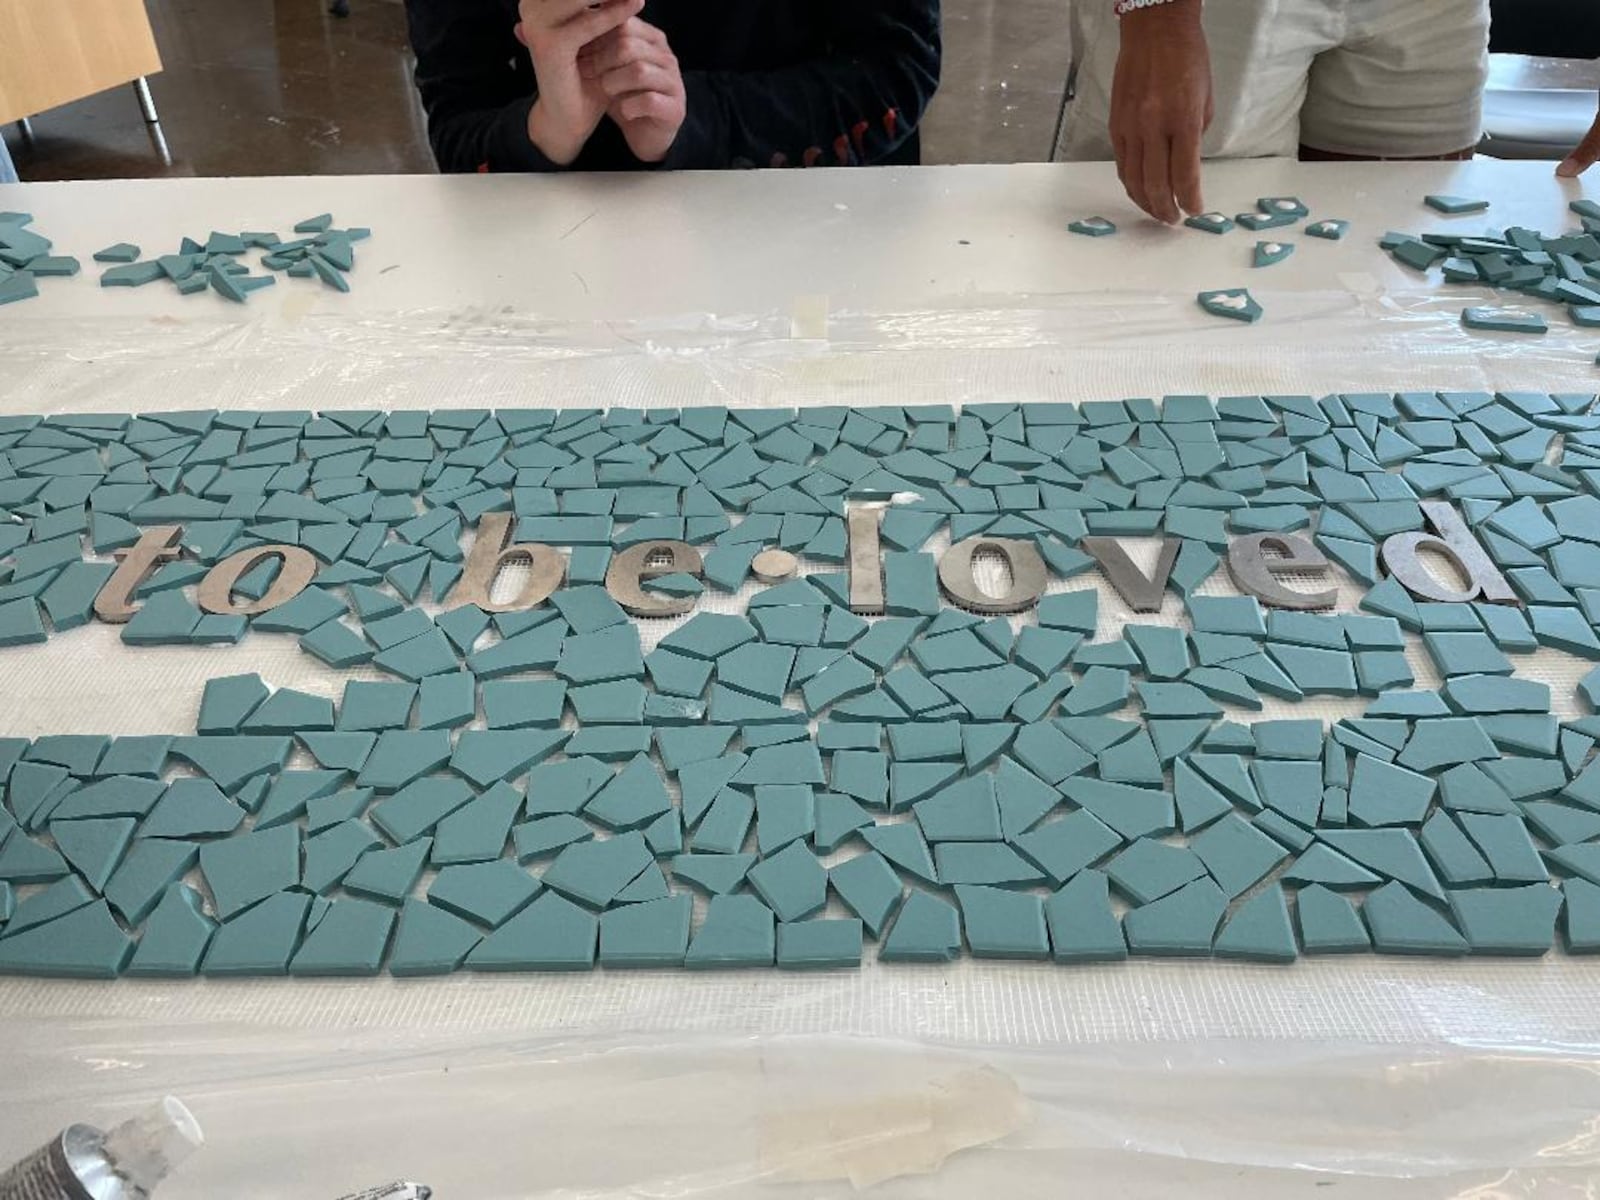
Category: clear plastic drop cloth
[1361,1076]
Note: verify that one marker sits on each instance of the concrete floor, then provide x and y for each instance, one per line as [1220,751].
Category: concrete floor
[279,87]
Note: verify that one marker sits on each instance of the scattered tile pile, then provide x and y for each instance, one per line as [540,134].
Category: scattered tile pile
[25,258]
[1561,270]
[323,253]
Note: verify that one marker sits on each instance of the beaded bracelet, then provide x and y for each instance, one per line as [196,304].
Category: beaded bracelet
[1124,7]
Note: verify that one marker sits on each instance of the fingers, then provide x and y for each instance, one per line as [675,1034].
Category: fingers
[547,14]
[1584,156]
[654,106]
[1185,171]
[594,23]
[634,42]
[1157,169]
[1130,170]
[638,77]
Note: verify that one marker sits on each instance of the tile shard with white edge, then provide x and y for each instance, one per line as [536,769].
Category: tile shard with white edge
[1234,303]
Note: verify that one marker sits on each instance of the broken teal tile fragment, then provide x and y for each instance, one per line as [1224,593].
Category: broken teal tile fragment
[113,796]
[175,938]
[1401,923]
[244,869]
[737,931]
[1509,921]
[340,751]
[86,943]
[1329,923]
[1150,869]
[121,252]
[93,847]
[1183,922]
[477,831]
[652,934]
[819,944]
[551,934]
[1092,227]
[984,863]
[486,756]
[1266,254]
[1384,794]
[1234,303]
[390,873]
[595,871]
[1000,923]
[1501,320]
[1580,918]
[1259,930]
[544,837]
[1504,843]
[714,874]
[1390,852]
[260,940]
[416,807]
[1236,854]
[486,893]
[150,866]
[791,882]
[59,898]
[1083,927]
[1454,205]
[350,939]
[926,930]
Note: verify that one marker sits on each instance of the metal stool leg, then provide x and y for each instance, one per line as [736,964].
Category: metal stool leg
[147,103]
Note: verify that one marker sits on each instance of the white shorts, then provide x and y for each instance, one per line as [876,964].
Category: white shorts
[1374,78]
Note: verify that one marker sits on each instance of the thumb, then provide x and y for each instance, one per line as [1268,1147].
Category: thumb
[1580,159]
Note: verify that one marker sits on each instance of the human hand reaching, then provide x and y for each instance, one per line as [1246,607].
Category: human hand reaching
[1584,156]
[1161,104]
[639,75]
[569,106]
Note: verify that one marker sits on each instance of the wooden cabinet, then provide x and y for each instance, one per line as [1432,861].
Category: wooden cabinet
[56,51]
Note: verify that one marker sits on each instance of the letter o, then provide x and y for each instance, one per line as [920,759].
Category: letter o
[216,589]
[1028,575]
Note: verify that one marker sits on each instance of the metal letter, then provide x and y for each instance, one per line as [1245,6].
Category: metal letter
[1455,542]
[866,562]
[1143,593]
[490,553]
[960,582]
[630,566]
[216,589]
[1254,572]
[155,545]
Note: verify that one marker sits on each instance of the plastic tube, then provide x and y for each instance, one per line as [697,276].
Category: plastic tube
[128,1163]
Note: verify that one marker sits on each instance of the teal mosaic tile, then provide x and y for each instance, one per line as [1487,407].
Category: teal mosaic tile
[981,757]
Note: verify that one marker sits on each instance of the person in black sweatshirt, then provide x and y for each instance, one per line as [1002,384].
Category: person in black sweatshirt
[549,85]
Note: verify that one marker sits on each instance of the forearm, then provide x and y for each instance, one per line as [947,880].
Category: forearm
[489,139]
[856,107]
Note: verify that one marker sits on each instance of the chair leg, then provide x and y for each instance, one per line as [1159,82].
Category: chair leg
[25,130]
[147,103]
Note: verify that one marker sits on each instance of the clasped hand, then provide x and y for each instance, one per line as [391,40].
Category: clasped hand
[594,61]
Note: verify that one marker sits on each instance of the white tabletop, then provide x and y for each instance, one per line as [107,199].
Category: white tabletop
[613,247]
